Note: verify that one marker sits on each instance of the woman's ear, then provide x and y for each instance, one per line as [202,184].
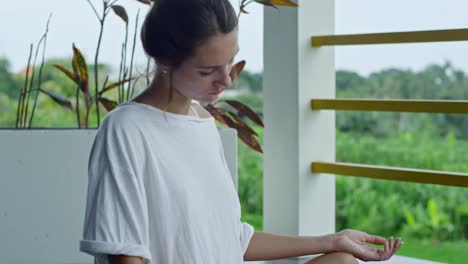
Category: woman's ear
[162,67]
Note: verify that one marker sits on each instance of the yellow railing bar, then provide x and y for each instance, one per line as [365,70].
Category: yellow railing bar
[422,106]
[392,173]
[393,37]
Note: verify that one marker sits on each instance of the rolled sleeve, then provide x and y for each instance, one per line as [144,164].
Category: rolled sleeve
[101,249]
[116,218]
[246,233]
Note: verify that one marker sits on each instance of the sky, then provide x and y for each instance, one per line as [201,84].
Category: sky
[73,21]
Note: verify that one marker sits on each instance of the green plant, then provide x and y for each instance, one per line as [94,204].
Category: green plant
[23,112]
[453,252]
[231,116]
[427,222]
[228,114]
[462,220]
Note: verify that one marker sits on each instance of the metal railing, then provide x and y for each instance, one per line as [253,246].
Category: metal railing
[420,106]
[391,38]
[391,173]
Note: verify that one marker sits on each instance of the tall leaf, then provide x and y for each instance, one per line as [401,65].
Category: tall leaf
[249,139]
[120,11]
[109,105]
[433,213]
[242,10]
[276,2]
[148,2]
[245,110]
[410,220]
[217,113]
[114,85]
[229,121]
[282,3]
[68,73]
[81,69]
[64,102]
[236,70]
[241,123]
[246,134]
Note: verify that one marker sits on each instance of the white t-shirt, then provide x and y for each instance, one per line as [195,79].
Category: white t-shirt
[159,187]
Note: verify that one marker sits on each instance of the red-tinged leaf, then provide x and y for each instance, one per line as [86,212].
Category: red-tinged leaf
[109,105]
[282,3]
[148,2]
[64,102]
[245,110]
[114,85]
[276,2]
[236,70]
[229,122]
[265,2]
[81,69]
[209,107]
[219,118]
[216,113]
[68,73]
[245,134]
[241,123]
[249,139]
[242,10]
[120,11]
[222,116]
[212,109]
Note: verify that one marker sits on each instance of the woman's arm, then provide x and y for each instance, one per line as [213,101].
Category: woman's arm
[122,259]
[264,246]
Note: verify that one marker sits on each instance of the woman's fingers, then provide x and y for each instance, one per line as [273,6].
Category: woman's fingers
[391,242]
[389,250]
[395,244]
[390,246]
[386,250]
[398,244]
[376,240]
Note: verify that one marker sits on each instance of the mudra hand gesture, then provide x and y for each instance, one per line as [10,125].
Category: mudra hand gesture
[357,244]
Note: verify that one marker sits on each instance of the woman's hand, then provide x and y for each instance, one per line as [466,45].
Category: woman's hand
[357,244]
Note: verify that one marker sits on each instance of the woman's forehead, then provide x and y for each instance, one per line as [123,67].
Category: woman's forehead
[216,50]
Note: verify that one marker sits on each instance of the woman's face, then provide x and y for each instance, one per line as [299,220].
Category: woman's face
[205,75]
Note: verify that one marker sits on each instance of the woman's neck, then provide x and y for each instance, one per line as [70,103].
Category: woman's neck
[159,95]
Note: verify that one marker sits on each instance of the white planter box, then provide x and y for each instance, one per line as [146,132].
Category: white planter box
[43,183]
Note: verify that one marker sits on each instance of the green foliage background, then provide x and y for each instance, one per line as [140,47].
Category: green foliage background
[431,213]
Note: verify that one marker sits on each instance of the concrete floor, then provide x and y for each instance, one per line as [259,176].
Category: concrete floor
[394,260]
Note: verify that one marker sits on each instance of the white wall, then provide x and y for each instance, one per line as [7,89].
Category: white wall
[43,183]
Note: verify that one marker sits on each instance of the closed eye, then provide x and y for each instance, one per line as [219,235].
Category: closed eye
[215,68]
[206,73]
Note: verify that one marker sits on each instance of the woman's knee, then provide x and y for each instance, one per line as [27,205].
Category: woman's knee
[332,258]
[344,257]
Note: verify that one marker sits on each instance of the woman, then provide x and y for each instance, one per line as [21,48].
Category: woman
[159,189]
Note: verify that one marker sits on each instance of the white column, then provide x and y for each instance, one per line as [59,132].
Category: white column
[297,202]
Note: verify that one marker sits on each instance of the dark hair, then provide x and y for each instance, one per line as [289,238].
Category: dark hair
[174,28]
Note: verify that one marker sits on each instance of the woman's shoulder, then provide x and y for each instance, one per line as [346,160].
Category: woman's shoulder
[124,115]
[123,124]
[201,111]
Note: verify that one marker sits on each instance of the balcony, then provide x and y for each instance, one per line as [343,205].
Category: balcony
[299,112]
[299,161]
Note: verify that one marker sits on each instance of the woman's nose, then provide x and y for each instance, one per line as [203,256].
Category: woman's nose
[225,78]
